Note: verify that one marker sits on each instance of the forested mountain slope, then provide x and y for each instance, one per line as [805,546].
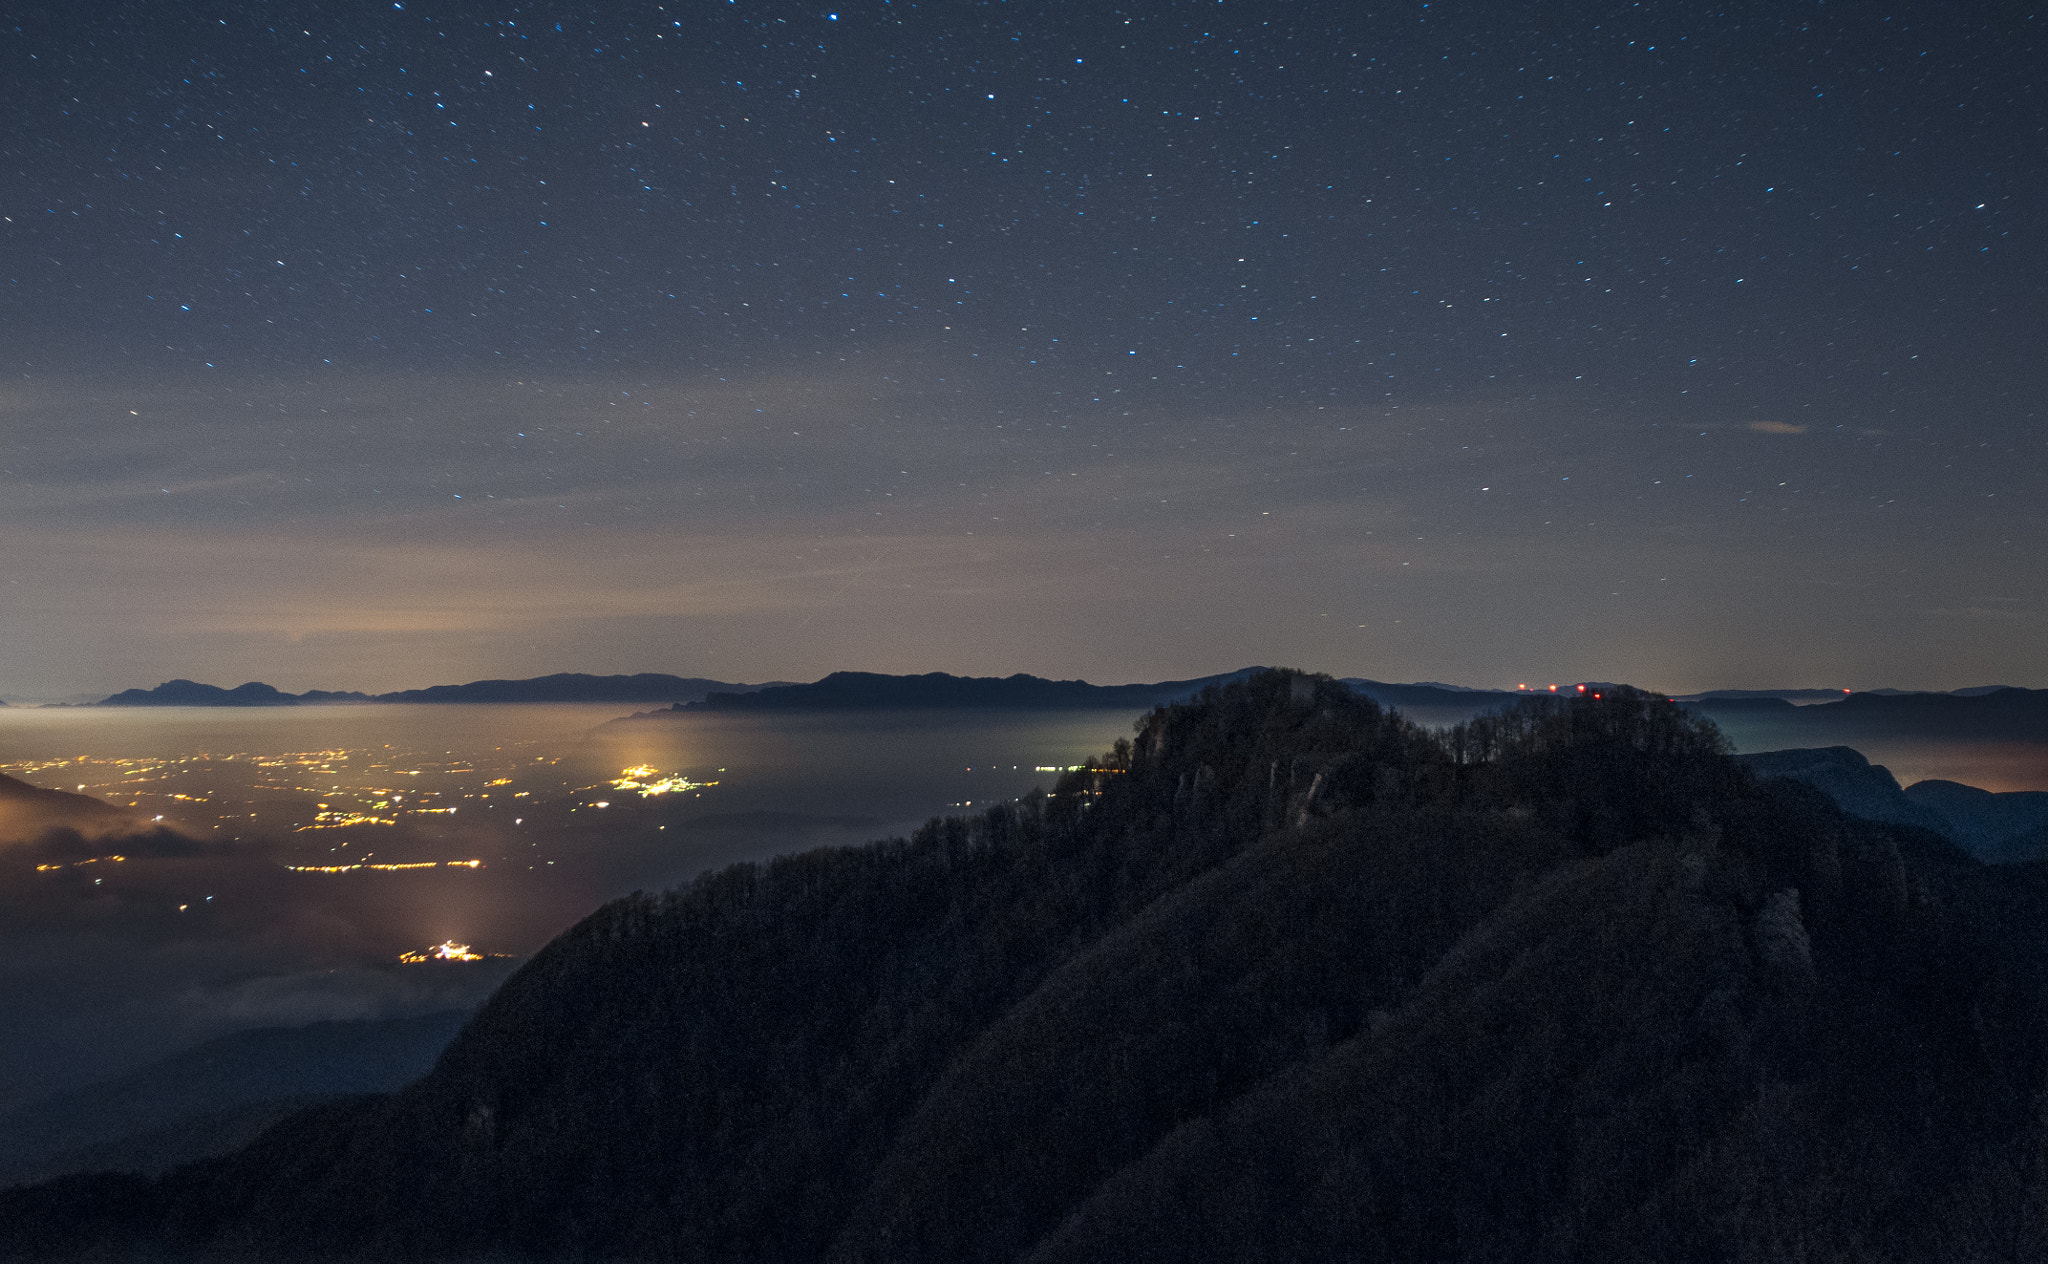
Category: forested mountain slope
[1284,978]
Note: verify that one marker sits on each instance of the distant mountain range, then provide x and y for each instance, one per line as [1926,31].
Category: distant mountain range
[2011,711]
[840,691]
[1995,828]
[560,687]
[2002,714]
[866,691]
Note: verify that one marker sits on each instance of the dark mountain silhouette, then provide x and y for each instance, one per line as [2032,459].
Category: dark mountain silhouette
[1996,828]
[59,826]
[1857,786]
[1748,704]
[1834,695]
[2000,714]
[19,796]
[1285,978]
[334,695]
[188,693]
[1785,695]
[863,691]
[1971,692]
[561,687]
[212,1098]
[1431,695]
[570,687]
[1986,712]
[2012,825]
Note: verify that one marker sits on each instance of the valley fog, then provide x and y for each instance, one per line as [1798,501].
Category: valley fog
[315,846]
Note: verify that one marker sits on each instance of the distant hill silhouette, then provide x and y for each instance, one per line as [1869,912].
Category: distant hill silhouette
[61,828]
[1984,712]
[836,692]
[561,687]
[1999,714]
[570,687]
[1856,785]
[1994,827]
[863,691]
[212,1098]
[1431,695]
[1283,978]
[19,795]
[57,825]
[1784,695]
[189,693]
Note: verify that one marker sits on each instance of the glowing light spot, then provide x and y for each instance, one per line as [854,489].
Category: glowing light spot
[445,951]
[645,780]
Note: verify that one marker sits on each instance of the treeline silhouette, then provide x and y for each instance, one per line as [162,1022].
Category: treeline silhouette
[1283,978]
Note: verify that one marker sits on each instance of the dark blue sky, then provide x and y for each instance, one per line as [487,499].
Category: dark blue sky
[375,345]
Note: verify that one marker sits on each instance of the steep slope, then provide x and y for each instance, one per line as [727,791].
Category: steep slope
[1255,967]
[1283,978]
[1997,828]
[1652,1055]
[2012,825]
[59,827]
[1857,786]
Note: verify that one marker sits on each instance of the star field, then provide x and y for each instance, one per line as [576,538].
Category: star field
[365,346]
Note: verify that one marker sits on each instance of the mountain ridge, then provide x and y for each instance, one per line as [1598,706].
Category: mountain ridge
[662,687]
[861,691]
[1284,976]
[1995,827]
[558,687]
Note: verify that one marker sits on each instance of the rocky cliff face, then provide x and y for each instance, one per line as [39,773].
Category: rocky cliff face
[1996,828]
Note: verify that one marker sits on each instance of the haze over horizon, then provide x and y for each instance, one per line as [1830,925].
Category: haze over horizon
[1542,686]
[387,347]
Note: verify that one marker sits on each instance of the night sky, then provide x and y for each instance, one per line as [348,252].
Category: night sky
[383,345]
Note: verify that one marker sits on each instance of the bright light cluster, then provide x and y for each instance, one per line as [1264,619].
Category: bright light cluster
[448,951]
[417,864]
[637,778]
[342,820]
[90,860]
[295,790]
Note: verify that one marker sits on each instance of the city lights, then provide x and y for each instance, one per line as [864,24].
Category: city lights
[646,780]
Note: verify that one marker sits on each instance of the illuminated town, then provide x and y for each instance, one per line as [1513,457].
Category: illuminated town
[448,950]
[353,799]
[301,791]
[384,810]
[388,868]
[89,860]
[637,778]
